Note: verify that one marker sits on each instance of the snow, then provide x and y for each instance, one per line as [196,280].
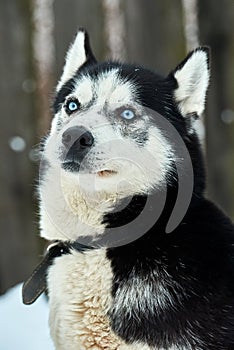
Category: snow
[23,327]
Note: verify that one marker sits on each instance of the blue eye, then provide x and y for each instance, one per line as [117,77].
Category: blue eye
[128,114]
[72,106]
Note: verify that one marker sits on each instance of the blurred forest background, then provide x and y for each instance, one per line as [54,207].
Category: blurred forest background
[34,36]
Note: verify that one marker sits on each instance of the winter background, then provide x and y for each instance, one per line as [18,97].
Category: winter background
[23,327]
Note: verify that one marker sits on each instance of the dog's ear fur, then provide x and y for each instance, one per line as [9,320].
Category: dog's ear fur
[192,76]
[79,53]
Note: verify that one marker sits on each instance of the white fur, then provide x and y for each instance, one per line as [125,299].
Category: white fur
[193,80]
[66,213]
[108,88]
[137,298]
[111,89]
[74,204]
[75,57]
[84,90]
[79,298]
[199,128]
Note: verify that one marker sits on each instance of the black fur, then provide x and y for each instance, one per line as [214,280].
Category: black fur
[194,264]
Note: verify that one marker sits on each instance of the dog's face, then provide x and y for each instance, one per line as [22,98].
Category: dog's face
[105,143]
[103,136]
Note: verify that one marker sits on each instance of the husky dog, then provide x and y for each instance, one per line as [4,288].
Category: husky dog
[104,157]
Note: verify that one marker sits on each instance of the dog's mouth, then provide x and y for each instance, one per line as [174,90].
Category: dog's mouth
[106,173]
[75,167]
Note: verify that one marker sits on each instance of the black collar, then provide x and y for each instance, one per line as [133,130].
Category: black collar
[36,283]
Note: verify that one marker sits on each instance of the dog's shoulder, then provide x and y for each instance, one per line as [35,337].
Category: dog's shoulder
[180,277]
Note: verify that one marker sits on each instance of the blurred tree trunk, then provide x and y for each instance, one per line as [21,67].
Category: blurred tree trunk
[191,27]
[148,40]
[218,31]
[114,29]
[17,231]
[44,57]
[79,13]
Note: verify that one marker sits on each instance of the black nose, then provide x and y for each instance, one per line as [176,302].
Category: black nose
[77,141]
[77,137]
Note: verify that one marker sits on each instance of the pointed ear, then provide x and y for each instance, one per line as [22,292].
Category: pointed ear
[192,76]
[79,53]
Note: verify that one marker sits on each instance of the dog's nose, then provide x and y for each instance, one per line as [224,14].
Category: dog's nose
[77,141]
[78,137]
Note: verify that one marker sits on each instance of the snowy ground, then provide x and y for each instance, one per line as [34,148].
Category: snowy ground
[23,327]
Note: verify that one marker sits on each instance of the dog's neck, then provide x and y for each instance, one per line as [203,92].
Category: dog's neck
[69,213]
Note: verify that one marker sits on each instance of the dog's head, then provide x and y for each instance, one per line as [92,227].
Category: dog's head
[106,142]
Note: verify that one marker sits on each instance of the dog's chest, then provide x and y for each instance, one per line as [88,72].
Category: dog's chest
[80,286]
[80,296]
